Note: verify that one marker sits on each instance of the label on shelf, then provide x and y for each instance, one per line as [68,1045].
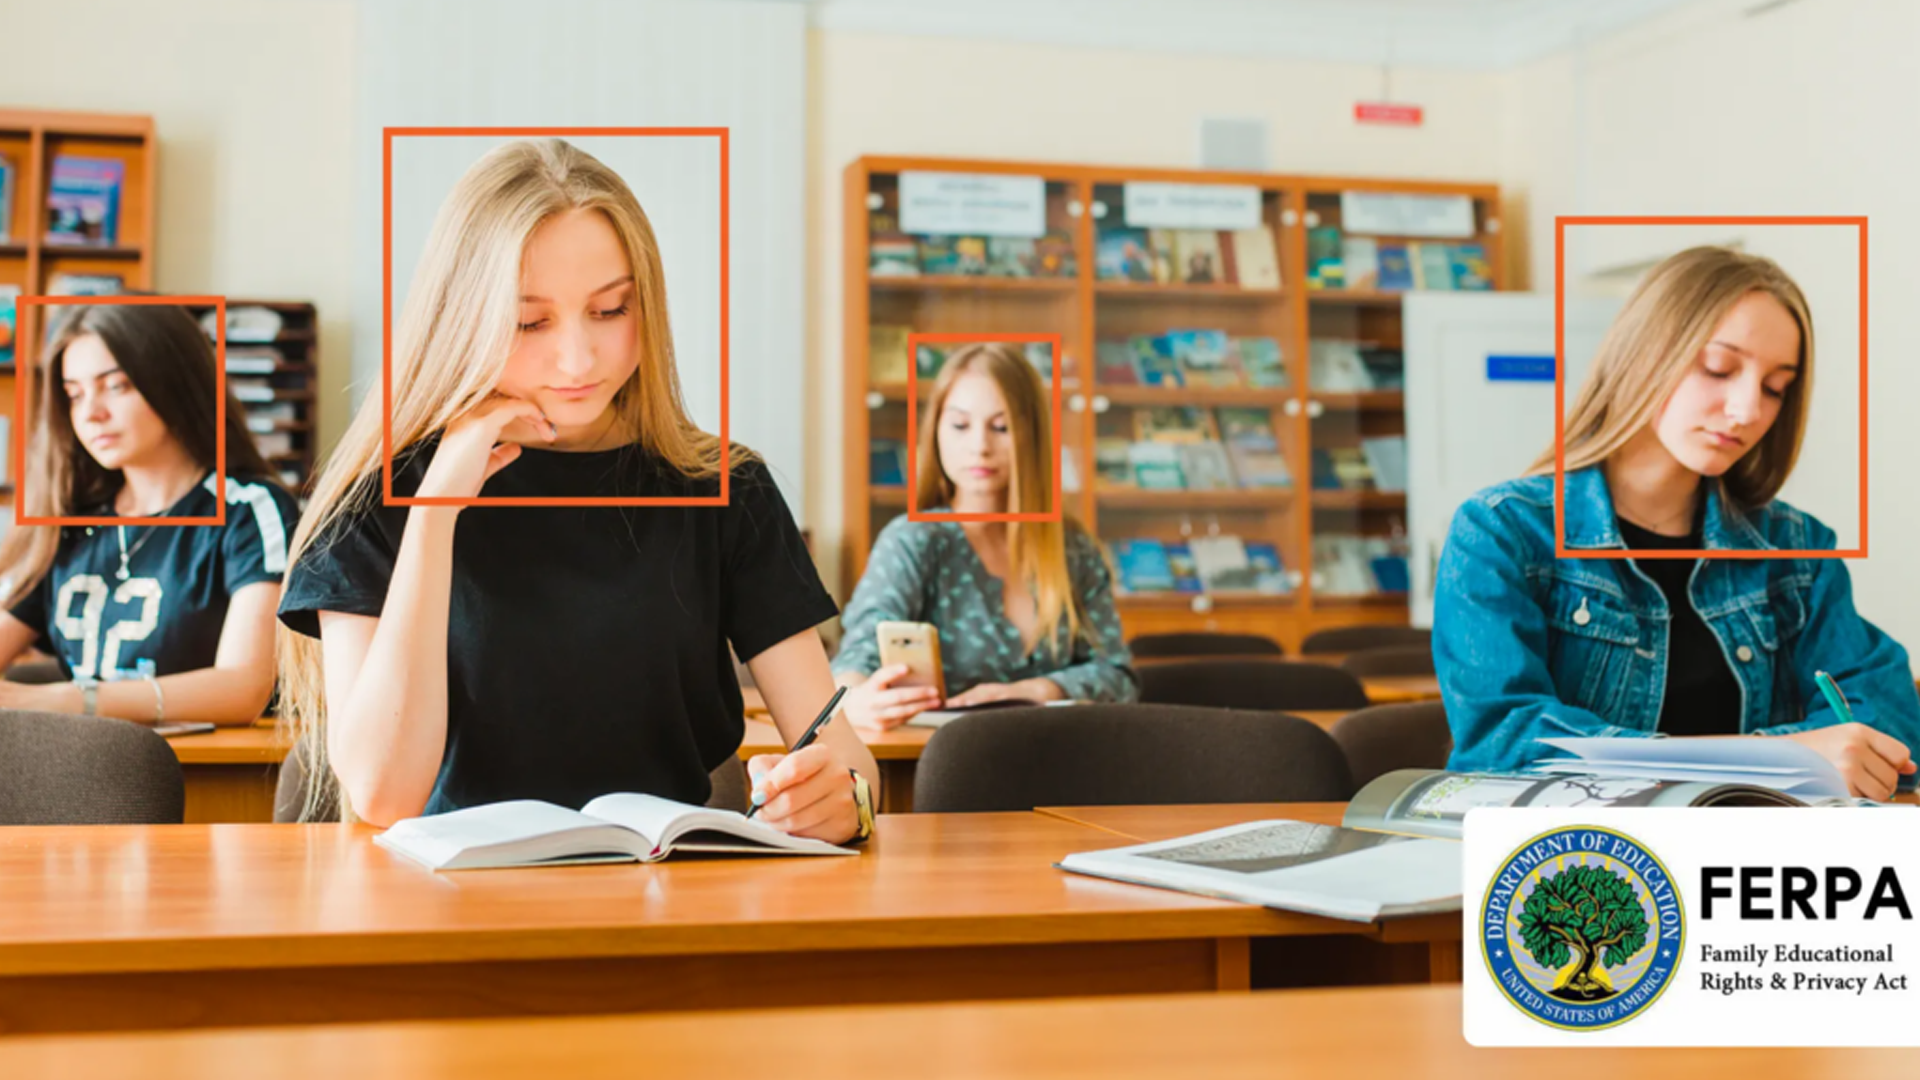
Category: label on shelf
[1383,112]
[1520,368]
[971,204]
[1380,213]
[1153,205]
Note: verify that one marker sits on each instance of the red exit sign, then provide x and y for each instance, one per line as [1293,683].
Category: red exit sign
[1380,112]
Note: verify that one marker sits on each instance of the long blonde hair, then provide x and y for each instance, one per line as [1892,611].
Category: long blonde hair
[455,334]
[1652,344]
[1037,549]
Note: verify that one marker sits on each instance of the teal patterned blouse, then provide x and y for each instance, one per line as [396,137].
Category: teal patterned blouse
[926,571]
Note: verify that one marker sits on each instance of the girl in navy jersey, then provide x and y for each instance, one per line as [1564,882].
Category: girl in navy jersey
[148,622]
[482,653]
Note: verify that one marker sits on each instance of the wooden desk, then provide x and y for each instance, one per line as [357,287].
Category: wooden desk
[1292,1034]
[1146,824]
[231,773]
[125,927]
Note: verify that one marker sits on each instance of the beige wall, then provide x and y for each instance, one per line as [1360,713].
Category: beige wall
[1804,110]
[954,98]
[253,103]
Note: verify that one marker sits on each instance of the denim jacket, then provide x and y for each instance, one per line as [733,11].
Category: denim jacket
[1529,647]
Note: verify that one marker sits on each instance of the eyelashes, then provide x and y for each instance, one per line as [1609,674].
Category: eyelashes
[610,313]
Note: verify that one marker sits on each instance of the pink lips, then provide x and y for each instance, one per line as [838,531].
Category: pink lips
[1725,442]
[573,393]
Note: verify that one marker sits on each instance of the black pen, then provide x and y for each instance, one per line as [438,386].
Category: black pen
[812,733]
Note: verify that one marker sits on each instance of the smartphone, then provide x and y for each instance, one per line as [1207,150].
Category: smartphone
[917,645]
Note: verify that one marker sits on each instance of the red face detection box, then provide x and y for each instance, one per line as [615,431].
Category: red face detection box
[28,373]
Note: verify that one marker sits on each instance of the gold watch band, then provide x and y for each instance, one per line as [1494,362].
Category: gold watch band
[863,801]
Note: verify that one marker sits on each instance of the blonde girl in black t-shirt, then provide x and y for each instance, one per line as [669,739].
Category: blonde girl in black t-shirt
[444,657]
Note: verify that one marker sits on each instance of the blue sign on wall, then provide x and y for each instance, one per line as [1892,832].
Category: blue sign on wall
[1520,369]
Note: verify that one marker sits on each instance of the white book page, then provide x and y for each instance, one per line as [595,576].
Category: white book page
[504,833]
[1293,865]
[1766,752]
[664,821]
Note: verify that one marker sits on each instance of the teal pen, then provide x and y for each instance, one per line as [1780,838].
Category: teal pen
[1834,697]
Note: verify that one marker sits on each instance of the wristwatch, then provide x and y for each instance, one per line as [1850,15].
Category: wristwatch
[89,696]
[863,801]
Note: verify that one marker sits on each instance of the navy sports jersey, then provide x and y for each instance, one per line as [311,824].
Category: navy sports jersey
[171,604]
[586,646]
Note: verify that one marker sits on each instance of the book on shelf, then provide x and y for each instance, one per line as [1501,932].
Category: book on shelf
[1335,365]
[1011,256]
[1269,570]
[273,442]
[1122,254]
[1198,252]
[1358,565]
[1202,357]
[1174,423]
[894,255]
[1113,462]
[253,359]
[1055,256]
[887,353]
[1163,250]
[83,201]
[1153,358]
[1350,467]
[1186,575]
[938,257]
[1143,566]
[1253,448]
[887,463]
[1156,466]
[928,360]
[1396,268]
[1360,262]
[1256,262]
[611,828]
[9,185]
[1471,271]
[1113,364]
[1325,266]
[1386,368]
[1260,362]
[1221,563]
[1206,466]
[250,388]
[970,256]
[1432,267]
[7,321]
[1387,456]
[1390,574]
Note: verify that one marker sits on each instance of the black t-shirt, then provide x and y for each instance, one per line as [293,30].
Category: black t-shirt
[1703,697]
[586,646]
[170,607]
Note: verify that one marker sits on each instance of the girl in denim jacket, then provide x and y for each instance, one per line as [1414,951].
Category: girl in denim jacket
[1683,434]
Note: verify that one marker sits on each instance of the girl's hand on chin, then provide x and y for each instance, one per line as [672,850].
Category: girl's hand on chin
[479,444]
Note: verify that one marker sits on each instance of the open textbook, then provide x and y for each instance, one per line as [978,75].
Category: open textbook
[611,828]
[1393,853]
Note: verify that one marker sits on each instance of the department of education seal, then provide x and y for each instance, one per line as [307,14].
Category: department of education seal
[1582,928]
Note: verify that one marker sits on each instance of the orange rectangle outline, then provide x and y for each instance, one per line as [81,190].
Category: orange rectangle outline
[914,513]
[27,361]
[1560,549]
[388,498]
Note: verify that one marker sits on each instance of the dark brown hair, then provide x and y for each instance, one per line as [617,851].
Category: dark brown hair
[170,361]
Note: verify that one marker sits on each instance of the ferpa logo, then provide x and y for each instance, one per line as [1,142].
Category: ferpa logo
[1582,928]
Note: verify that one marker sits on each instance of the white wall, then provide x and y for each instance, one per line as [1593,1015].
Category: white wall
[676,179]
[872,94]
[253,105]
[624,63]
[1803,109]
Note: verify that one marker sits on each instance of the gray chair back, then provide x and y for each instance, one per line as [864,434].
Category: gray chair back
[1378,740]
[1200,643]
[1263,685]
[1394,660]
[1346,639]
[86,770]
[1115,755]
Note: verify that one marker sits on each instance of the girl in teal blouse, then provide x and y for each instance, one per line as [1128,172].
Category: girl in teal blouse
[1024,609]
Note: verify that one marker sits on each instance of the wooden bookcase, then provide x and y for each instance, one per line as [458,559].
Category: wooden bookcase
[31,139]
[293,382]
[1085,310]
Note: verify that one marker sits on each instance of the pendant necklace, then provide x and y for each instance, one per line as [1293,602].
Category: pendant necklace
[126,554]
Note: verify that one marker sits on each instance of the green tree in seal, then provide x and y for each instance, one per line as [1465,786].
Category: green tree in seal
[1586,913]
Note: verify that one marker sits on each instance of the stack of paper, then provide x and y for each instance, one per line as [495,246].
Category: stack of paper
[1780,764]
